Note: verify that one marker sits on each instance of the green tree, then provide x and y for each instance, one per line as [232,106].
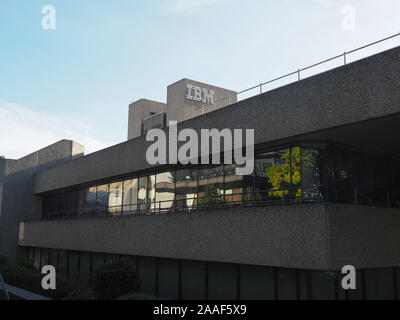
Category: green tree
[116,279]
[211,194]
[286,175]
[2,157]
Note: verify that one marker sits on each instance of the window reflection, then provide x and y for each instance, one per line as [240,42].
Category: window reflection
[130,195]
[165,190]
[102,198]
[115,198]
[142,194]
[151,192]
[237,188]
[307,173]
[211,185]
[186,188]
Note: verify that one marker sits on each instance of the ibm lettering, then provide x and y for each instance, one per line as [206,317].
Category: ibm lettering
[196,93]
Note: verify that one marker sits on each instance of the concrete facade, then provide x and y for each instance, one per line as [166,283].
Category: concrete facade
[186,99]
[140,110]
[340,105]
[18,188]
[181,108]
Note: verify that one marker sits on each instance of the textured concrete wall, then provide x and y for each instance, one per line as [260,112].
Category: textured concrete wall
[367,89]
[156,121]
[290,236]
[140,110]
[366,237]
[179,108]
[18,189]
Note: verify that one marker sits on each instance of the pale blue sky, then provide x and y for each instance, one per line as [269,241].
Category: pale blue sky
[76,82]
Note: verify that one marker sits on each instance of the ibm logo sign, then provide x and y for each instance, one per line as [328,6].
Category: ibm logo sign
[200,94]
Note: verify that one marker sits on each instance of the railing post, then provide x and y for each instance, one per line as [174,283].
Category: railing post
[388,199]
[298,74]
[344,56]
[260,88]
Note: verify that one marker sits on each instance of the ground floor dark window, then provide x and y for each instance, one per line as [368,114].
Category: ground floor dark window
[201,280]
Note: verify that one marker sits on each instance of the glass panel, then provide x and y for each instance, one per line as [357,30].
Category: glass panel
[193,280]
[82,201]
[237,188]
[272,172]
[379,284]
[147,274]
[165,191]
[323,285]
[186,189]
[53,258]
[287,284]
[97,262]
[37,257]
[72,202]
[222,281]
[115,198]
[151,191]
[142,194]
[84,268]
[211,186]
[168,279]
[45,258]
[91,200]
[102,198]
[257,283]
[310,171]
[130,195]
[62,263]
[73,265]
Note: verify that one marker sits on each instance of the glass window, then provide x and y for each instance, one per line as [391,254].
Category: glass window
[323,285]
[91,200]
[84,268]
[222,279]
[82,201]
[272,172]
[211,186]
[142,194]
[237,188]
[62,263]
[168,279]
[102,198]
[257,283]
[151,191]
[165,191]
[287,284]
[186,189]
[115,198]
[73,265]
[310,174]
[130,198]
[379,284]
[193,280]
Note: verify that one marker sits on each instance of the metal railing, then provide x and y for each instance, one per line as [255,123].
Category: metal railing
[298,72]
[3,284]
[270,197]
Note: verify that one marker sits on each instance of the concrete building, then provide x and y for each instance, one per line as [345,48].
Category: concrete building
[324,193]
[186,99]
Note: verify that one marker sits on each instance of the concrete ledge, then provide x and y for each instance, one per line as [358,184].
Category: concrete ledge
[293,236]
